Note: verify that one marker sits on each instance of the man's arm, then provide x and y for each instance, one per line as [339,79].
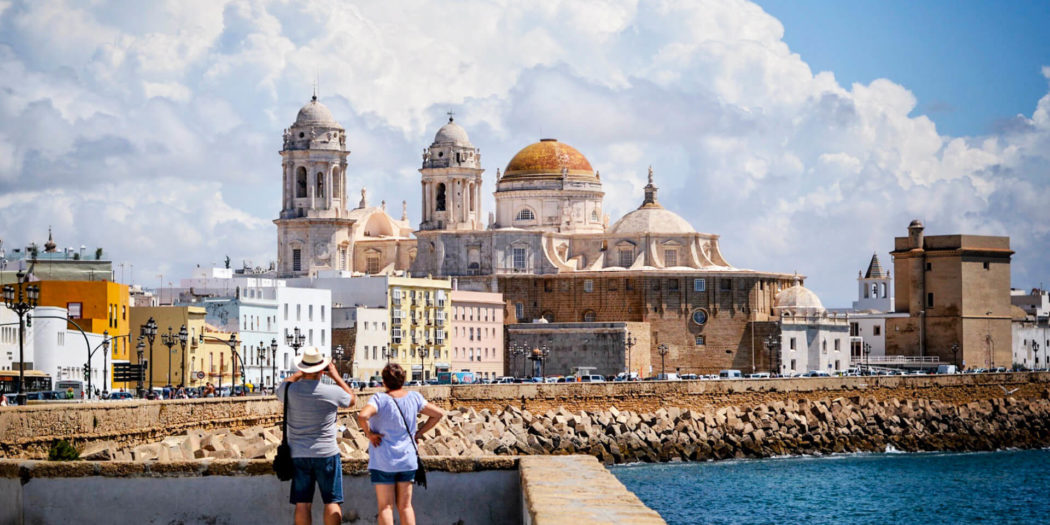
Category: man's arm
[333,372]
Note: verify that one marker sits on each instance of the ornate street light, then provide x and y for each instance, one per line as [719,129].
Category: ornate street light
[867,357]
[423,353]
[515,351]
[337,355]
[273,364]
[773,346]
[629,342]
[662,350]
[296,339]
[139,348]
[955,355]
[149,332]
[21,299]
[169,340]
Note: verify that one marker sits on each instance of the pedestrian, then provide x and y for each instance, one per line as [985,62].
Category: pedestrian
[312,409]
[389,423]
[209,390]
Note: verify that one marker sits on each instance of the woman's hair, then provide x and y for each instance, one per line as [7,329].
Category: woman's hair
[393,376]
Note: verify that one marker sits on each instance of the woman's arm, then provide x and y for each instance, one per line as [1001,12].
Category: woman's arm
[434,414]
[363,416]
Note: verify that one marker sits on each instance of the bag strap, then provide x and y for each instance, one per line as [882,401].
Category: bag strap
[404,419]
[284,422]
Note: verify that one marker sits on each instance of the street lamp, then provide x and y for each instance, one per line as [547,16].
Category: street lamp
[337,355]
[866,348]
[296,339]
[515,351]
[955,355]
[423,353]
[234,359]
[273,364]
[169,340]
[629,342]
[149,331]
[773,345]
[21,300]
[139,348]
[662,350]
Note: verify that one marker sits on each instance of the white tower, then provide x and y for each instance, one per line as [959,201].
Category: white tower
[312,230]
[874,288]
[451,181]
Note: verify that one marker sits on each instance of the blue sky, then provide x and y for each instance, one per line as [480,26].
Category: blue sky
[971,64]
[806,134]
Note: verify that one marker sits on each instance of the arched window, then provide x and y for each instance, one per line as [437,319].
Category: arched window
[441,196]
[589,316]
[320,185]
[336,194]
[525,214]
[883,290]
[300,183]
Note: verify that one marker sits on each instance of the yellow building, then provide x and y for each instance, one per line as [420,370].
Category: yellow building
[97,307]
[170,319]
[420,310]
[215,362]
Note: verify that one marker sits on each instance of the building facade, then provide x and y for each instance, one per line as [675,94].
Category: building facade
[364,332]
[956,291]
[477,333]
[811,338]
[172,367]
[597,348]
[253,315]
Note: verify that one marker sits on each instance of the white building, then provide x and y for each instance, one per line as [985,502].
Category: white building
[868,316]
[874,289]
[309,310]
[811,338]
[53,348]
[370,333]
[1030,329]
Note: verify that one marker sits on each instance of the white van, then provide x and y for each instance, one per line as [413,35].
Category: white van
[730,374]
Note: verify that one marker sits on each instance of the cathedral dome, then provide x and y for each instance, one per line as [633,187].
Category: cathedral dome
[315,113]
[452,133]
[798,299]
[652,219]
[547,159]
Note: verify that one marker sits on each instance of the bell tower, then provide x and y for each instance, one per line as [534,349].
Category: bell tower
[451,181]
[312,227]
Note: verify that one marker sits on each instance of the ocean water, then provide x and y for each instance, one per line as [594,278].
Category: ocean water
[926,488]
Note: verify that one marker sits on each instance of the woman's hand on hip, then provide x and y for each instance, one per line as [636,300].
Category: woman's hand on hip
[375,438]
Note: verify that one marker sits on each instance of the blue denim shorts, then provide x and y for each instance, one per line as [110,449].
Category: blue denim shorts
[327,473]
[382,477]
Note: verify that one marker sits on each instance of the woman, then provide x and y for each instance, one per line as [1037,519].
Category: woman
[392,460]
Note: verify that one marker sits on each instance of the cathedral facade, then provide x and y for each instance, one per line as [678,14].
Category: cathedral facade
[548,245]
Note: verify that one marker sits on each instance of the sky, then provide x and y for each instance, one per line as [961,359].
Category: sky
[806,134]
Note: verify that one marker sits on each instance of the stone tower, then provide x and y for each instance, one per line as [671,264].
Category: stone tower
[313,229]
[451,182]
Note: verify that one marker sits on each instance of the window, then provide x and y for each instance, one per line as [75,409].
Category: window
[298,312]
[310,312]
[74,310]
[878,330]
[440,199]
[322,337]
[300,183]
[699,317]
[985,264]
[285,311]
[626,257]
[699,340]
[670,257]
[589,316]
[929,266]
[297,260]
[396,335]
[519,258]
[322,314]
[792,362]
[699,285]
[373,264]
[672,285]
[929,300]
[519,311]
[525,214]
[727,284]
[838,344]
[310,340]
[588,285]
[792,346]
[824,346]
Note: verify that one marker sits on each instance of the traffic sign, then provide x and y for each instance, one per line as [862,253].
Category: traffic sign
[200,375]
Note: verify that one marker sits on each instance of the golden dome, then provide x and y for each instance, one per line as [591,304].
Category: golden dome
[547,159]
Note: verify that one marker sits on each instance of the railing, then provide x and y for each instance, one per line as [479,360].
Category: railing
[895,360]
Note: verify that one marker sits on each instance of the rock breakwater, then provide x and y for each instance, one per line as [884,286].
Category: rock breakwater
[824,426]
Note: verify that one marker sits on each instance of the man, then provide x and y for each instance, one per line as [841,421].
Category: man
[312,408]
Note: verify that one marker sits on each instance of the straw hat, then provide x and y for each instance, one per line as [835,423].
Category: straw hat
[312,361]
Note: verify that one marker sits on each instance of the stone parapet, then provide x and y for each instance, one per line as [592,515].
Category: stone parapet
[571,490]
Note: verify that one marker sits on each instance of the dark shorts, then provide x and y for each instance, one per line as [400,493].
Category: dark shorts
[381,477]
[327,473]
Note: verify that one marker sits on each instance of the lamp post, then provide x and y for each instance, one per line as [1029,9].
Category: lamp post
[139,349]
[21,299]
[169,340]
[337,355]
[538,356]
[149,331]
[515,351]
[662,350]
[866,348]
[955,355]
[423,353]
[273,364]
[773,345]
[629,342]
[234,359]
[296,340]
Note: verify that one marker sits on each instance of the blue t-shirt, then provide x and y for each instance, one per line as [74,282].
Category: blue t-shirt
[395,452]
[312,417]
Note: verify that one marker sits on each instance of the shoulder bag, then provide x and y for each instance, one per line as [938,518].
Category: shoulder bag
[282,463]
[421,472]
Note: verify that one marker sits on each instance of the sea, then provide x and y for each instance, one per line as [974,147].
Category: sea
[1010,486]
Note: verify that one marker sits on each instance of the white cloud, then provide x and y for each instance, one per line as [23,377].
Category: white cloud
[162,122]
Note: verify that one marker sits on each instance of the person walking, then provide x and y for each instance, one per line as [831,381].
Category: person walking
[312,409]
[389,423]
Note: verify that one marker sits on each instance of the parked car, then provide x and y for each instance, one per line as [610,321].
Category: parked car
[730,374]
[816,373]
[593,378]
[551,379]
[121,396]
[689,377]
[759,375]
[667,377]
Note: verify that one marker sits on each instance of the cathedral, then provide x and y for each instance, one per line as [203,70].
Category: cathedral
[548,246]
